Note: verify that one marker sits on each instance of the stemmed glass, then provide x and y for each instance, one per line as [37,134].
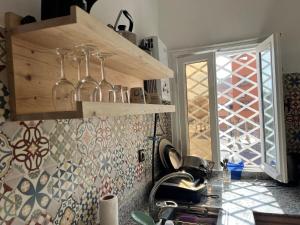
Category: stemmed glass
[63,92]
[76,58]
[87,88]
[106,88]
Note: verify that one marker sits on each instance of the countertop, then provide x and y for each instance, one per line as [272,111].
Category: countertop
[240,198]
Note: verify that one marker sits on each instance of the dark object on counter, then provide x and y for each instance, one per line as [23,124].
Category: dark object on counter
[58,8]
[28,19]
[173,161]
[183,191]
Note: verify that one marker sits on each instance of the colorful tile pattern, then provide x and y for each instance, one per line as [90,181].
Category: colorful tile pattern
[43,219]
[67,213]
[54,172]
[65,180]
[6,155]
[63,141]
[32,148]
[7,203]
[33,192]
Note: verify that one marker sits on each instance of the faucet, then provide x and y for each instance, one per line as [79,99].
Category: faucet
[152,207]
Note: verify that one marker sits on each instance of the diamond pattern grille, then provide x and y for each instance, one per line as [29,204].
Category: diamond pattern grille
[238,106]
[269,123]
[198,109]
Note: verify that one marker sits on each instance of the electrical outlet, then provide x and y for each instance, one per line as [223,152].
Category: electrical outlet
[141,155]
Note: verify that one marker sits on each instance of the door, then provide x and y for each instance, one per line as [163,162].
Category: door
[272,109]
[196,107]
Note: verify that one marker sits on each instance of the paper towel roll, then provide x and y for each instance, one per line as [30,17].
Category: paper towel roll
[108,210]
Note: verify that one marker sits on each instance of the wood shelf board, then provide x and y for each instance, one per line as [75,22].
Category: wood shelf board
[80,28]
[119,109]
[90,109]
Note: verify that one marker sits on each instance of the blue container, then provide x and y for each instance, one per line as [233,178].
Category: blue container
[236,170]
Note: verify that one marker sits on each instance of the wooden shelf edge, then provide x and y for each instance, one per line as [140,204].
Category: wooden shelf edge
[91,109]
[110,109]
[48,116]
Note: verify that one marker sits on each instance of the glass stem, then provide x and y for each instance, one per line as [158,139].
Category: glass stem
[62,66]
[78,68]
[87,63]
[102,68]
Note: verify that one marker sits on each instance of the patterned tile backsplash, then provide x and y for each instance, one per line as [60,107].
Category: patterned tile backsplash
[56,171]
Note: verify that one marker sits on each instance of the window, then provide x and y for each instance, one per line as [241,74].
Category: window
[229,102]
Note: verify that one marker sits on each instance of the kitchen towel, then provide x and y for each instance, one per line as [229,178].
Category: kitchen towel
[108,210]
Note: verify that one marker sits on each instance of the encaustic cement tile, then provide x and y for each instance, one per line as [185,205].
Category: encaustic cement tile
[42,219]
[86,136]
[63,145]
[7,204]
[65,180]
[31,147]
[67,213]
[89,206]
[33,195]
[6,155]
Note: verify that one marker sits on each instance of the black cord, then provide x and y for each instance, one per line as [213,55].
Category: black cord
[156,117]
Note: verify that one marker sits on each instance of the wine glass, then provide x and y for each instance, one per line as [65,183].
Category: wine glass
[106,89]
[63,92]
[87,88]
[76,57]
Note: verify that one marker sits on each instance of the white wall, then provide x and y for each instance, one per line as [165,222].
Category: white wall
[20,7]
[191,23]
[144,12]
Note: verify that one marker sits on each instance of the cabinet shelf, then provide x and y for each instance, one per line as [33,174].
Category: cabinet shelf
[33,65]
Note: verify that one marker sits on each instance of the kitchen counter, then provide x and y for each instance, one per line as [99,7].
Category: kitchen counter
[240,198]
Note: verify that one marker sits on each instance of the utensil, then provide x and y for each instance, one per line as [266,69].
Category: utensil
[63,92]
[87,88]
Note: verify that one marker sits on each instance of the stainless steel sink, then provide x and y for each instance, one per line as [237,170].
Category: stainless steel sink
[192,215]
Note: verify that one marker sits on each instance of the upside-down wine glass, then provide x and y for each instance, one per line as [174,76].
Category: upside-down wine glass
[63,92]
[87,88]
[106,88]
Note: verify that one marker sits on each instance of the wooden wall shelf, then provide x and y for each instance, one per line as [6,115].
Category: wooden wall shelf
[33,66]
[90,109]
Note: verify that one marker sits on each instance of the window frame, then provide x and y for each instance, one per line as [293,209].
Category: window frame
[279,173]
[182,112]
